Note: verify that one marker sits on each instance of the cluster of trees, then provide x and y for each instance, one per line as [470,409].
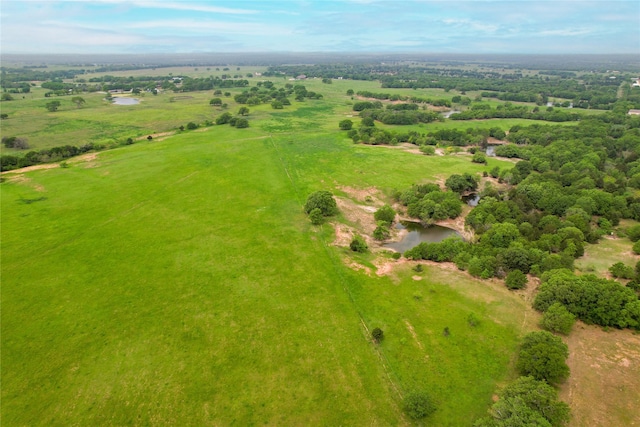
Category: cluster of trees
[266,93]
[441,102]
[429,203]
[510,111]
[320,204]
[589,298]
[228,118]
[593,90]
[399,116]
[55,154]
[526,402]
[16,142]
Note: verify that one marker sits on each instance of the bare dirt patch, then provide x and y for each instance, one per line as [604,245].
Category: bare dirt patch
[32,168]
[604,386]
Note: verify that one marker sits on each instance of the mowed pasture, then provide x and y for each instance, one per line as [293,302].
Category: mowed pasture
[178,282]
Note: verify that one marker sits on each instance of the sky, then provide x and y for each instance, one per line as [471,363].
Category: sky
[400,26]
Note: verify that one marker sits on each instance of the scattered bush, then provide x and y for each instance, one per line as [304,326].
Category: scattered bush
[418,405]
[622,271]
[385,214]
[358,244]
[516,279]
[345,124]
[377,334]
[316,216]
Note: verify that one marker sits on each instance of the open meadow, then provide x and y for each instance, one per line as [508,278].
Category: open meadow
[177,280]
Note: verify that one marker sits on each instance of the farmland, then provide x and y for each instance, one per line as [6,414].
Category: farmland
[177,281]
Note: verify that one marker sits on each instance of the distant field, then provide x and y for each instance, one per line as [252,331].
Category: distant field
[99,121]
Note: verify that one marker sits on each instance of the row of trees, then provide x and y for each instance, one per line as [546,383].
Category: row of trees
[482,111]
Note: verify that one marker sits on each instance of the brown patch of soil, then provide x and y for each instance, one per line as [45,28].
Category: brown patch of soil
[604,386]
[413,334]
[33,168]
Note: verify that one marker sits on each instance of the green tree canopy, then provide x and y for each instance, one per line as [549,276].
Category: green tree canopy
[543,356]
[322,200]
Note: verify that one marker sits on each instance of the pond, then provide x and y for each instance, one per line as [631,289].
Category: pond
[125,101]
[417,234]
[471,199]
[447,114]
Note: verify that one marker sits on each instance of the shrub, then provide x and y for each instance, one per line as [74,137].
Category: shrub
[427,150]
[636,247]
[558,319]
[633,233]
[479,157]
[418,405]
[621,271]
[192,126]
[377,334]
[381,232]
[322,200]
[316,216]
[345,124]
[358,244]
[516,279]
[386,214]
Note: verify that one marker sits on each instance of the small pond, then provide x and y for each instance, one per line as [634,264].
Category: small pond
[125,101]
[447,114]
[471,199]
[418,234]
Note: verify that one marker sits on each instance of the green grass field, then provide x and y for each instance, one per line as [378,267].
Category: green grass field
[178,282]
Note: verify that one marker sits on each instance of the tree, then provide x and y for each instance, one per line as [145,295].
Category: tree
[385,214]
[322,200]
[79,101]
[6,97]
[358,244]
[349,92]
[527,402]
[223,118]
[243,111]
[479,157]
[345,124]
[418,405]
[192,126]
[558,319]
[543,356]
[377,334]
[516,279]
[241,123]
[622,271]
[277,105]
[215,101]
[52,106]
[461,183]
[428,150]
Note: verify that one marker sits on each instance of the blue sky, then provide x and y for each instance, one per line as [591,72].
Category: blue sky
[478,26]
